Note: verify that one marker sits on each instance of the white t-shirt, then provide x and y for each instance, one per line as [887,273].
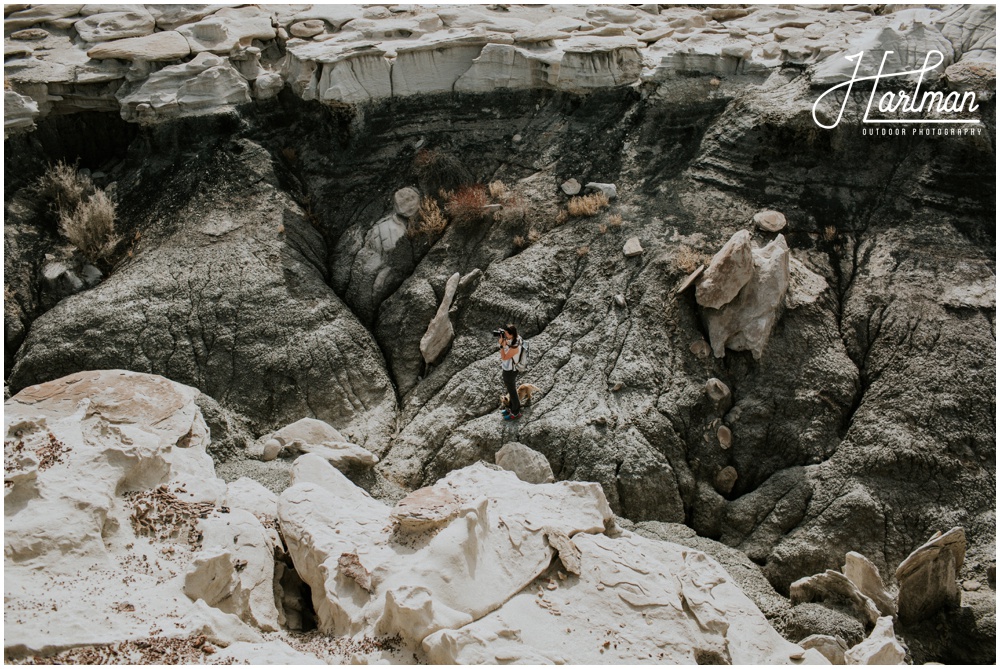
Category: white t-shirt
[508,365]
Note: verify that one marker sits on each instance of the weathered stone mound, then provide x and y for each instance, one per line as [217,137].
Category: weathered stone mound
[224,290]
[152,63]
[121,545]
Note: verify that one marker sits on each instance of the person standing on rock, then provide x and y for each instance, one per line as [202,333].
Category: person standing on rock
[510,347]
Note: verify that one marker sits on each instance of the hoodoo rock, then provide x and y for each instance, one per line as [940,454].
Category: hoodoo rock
[928,577]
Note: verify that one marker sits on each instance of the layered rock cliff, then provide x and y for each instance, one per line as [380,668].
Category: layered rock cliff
[255,152]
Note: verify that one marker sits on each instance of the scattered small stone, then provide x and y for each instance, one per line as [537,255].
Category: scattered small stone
[797,655]
[618,386]
[571,187]
[552,585]
[620,301]
[608,189]
[971,586]
[725,436]
[600,586]
[208,649]
[725,480]
[717,390]
[772,221]
[632,247]
[271,450]
[690,280]
[701,349]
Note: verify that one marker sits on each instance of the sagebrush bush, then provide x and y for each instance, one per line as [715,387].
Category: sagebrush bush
[61,188]
[429,219]
[90,227]
[615,220]
[467,204]
[687,260]
[498,190]
[587,205]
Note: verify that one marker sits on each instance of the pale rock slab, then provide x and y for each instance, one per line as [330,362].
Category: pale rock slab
[206,85]
[830,647]
[632,247]
[571,187]
[90,10]
[908,49]
[928,577]
[241,553]
[528,464]
[440,331]
[772,221]
[81,453]
[308,28]
[115,25]
[406,202]
[834,587]
[609,190]
[862,573]
[425,509]
[249,495]
[633,598]
[19,112]
[730,269]
[171,17]
[166,45]
[227,28]
[745,323]
[309,435]
[972,74]
[881,646]
[39,14]
[450,574]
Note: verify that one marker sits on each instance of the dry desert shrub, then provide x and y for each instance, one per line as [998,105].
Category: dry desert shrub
[582,251]
[829,232]
[534,236]
[498,190]
[687,259]
[467,204]
[90,227]
[601,229]
[562,217]
[429,219]
[587,205]
[61,187]
[520,242]
[615,220]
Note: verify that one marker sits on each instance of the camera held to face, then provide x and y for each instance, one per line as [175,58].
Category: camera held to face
[499,332]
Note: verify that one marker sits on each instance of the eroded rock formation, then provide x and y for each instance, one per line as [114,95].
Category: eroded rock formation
[270,261]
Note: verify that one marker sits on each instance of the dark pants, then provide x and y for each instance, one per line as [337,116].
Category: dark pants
[510,380]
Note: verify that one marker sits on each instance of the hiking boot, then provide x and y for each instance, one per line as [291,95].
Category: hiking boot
[511,416]
[504,412]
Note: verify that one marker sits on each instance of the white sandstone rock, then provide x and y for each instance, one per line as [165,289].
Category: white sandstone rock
[862,573]
[227,28]
[35,14]
[772,221]
[632,594]
[440,331]
[632,247]
[731,268]
[95,464]
[406,202]
[832,586]
[206,84]
[167,45]
[468,565]
[830,647]
[745,322]
[308,28]
[571,187]
[309,435]
[171,17]
[115,25]
[927,578]
[881,646]
[19,111]
[527,463]
[249,495]
[609,190]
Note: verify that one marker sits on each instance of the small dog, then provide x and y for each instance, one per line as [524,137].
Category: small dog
[525,392]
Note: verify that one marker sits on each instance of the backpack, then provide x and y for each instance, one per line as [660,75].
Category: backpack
[522,363]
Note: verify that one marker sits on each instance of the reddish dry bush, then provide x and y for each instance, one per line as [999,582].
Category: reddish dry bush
[467,204]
